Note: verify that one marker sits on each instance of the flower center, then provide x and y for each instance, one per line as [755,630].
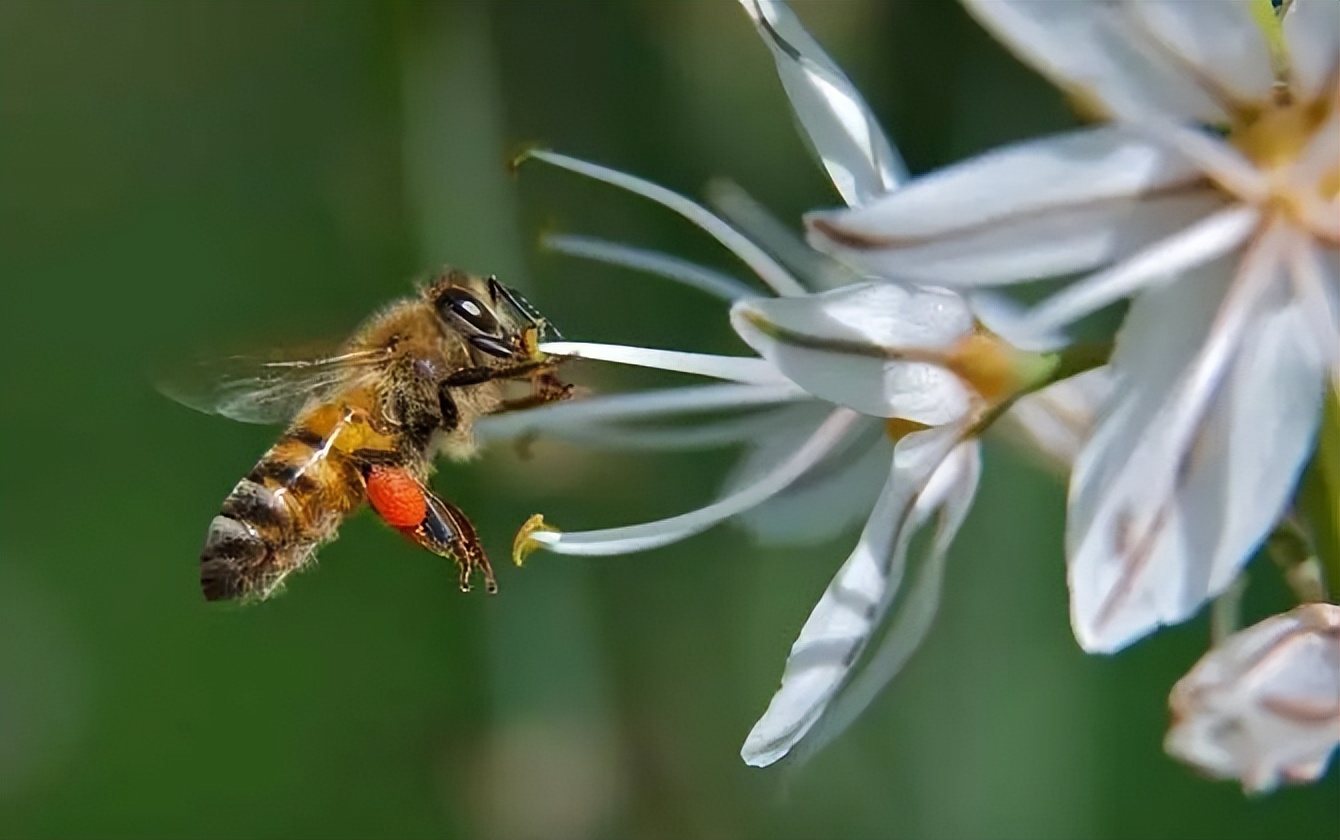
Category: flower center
[1277,134]
[1275,139]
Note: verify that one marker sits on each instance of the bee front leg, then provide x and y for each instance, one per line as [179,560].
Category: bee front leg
[485,373]
[546,388]
[405,504]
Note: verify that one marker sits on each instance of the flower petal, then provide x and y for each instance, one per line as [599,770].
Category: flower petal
[951,491]
[1205,240]
[1264,705]
[648,535]
[843,621]
[841,130]
[1043,208]
[1056,422]
[1219,45]
[1312,31]
[1029,247]
[1315,271]
[865,347]
[1098,52]
[1066,171]
[1314,176]
[1008,318]
[834,496]
[1199,455]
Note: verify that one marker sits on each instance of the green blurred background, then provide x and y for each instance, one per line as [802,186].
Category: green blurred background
[181,176]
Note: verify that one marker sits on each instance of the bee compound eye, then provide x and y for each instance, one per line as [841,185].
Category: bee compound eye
[468,308]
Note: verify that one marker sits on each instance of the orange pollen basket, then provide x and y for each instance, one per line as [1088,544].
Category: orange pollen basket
[397,497]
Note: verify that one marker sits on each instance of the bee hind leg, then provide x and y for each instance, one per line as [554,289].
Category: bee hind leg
[405,504]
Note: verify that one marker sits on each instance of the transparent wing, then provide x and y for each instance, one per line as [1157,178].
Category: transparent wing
[264,389]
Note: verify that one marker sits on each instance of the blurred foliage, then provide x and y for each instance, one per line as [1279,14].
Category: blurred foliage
[180,177]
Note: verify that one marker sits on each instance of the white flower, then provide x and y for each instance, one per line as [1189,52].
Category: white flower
[1226,239]
[869,385]
[1263,706]
[853,368]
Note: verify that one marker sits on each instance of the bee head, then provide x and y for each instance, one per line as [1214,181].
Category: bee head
[495,319]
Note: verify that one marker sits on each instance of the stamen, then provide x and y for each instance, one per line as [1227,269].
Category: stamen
[745,369]
[1194,245]
[690,274]
[641,405]
[767,269]
[649,535]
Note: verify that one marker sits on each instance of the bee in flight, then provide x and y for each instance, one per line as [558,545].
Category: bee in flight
[365,424]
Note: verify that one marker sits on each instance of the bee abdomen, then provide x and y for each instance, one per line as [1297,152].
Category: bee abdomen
[259,507]
[230,558]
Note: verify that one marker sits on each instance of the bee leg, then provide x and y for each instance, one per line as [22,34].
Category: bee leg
[546,387]
[405,504]
[484,373]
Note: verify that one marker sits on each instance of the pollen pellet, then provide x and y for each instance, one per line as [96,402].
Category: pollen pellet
[397,497]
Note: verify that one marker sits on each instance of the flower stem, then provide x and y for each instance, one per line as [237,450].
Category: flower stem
[1049,369]
[1078,358]
[1267,19]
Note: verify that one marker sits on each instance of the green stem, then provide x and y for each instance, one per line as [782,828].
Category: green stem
[1267,19]
[1078,358]
[1048,369]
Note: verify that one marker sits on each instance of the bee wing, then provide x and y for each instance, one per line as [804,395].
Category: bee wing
[253,389]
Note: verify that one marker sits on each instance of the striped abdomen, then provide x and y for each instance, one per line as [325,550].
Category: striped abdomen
[292,500]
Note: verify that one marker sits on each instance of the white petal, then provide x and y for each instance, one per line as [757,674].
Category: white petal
[653,262]
[1319,160]
[836,495]
[1218,43]
[853,605]
[1067,171]
[640,405]
[753,256]
[1206,240]
[911,620]
[1029,246]
[1192,467]
[1008,318]
[839,125]
[649,535]
[864,346]
[1231,170]
[1043,208]
[1098,53]
[1312,31]
[744,369]
[1315,271]
[1264,705]
[1056,422]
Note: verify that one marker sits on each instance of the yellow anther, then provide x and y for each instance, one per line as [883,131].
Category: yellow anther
[525,541]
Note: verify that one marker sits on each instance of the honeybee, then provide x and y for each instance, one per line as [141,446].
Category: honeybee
[365,424]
